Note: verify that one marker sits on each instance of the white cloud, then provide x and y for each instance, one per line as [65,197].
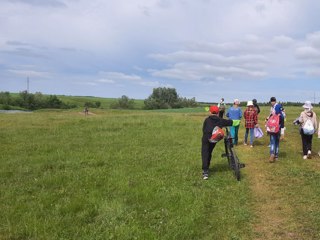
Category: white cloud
[282,41]
[132,46]
[105,81]
[118,76]
[30,73]
[314,39]
[308,53]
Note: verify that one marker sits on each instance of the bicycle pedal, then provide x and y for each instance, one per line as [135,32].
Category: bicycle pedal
[242,165]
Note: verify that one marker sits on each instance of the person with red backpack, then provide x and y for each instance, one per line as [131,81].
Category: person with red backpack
[210,136]
[275,122]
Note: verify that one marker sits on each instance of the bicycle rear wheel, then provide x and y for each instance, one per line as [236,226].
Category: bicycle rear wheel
[235,164]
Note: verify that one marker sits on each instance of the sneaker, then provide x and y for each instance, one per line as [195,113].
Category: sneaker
[245,144]
[205,176]
[276,158]
[271,159]
[305,157]
[309,154]
[251,146]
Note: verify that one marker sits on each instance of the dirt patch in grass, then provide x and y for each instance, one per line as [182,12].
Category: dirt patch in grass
[274,218]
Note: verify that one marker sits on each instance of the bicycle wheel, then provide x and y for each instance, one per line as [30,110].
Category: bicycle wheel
[235,164]
[227,150]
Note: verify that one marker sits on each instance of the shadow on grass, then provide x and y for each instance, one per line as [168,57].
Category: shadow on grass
[220,167]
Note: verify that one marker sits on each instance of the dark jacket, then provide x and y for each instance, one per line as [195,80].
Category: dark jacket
[257,108]
[210,123]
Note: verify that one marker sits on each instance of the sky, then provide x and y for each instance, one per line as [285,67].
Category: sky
[205,49]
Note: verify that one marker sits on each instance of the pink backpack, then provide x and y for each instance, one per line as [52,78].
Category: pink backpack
[273,123]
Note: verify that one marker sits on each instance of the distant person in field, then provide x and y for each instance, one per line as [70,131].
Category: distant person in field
[276,109]
[251,121]
[308,125]
[207,147]
[222,108]
[255,105]
[86,111]
[234,113]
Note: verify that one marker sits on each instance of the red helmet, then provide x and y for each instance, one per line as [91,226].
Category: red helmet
[217,135]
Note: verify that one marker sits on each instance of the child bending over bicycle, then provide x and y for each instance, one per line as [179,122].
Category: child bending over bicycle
[207,146]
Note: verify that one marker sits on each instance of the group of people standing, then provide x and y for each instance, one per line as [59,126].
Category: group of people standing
[251,120]
[234,114]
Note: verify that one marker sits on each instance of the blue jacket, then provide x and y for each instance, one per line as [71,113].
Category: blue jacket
[278,110]
[234,113]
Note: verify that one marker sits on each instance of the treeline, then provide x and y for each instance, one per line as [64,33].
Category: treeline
[32,101]
[161,98]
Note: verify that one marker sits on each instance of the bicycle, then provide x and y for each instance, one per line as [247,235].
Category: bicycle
[231,155]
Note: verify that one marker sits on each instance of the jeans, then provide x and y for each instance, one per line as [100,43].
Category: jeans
[251,135]
[274,143]
[234,134]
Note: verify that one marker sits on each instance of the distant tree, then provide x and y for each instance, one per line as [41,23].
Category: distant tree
[32,101]
[92,104]
[26,100]
[5,98]
[164,98]
[54,102]
[123,103]
[98,104]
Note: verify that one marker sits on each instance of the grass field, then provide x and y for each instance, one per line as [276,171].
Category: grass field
[137,175]
[105,102]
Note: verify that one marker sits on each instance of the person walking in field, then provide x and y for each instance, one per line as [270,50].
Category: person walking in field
[222,108]
[275,122]
[256,106]
[86,111]
[284,128]
[234,113]
[207,146]
[308,125]
[251,121]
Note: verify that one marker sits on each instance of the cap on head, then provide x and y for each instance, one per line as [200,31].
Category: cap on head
[249,103]
[214,109]
[236,101]
[254,101]
[273,99]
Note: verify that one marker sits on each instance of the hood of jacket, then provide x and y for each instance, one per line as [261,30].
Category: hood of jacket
[308,113]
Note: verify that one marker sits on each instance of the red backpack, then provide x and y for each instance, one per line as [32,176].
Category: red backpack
[273,123]
[217,135]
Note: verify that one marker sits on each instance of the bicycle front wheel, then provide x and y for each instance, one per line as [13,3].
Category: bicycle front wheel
[235,164]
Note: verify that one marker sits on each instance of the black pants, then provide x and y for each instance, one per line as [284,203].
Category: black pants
[306,142]
[221,113]
[206,154]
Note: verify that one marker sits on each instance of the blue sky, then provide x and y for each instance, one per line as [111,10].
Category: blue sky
[205,49]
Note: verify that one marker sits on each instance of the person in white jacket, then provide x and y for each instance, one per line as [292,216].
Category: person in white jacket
[307,119]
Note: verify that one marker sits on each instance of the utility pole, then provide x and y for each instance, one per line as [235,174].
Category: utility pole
[28,84]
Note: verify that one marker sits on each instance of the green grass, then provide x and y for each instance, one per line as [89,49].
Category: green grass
[105,102]
[137,175]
